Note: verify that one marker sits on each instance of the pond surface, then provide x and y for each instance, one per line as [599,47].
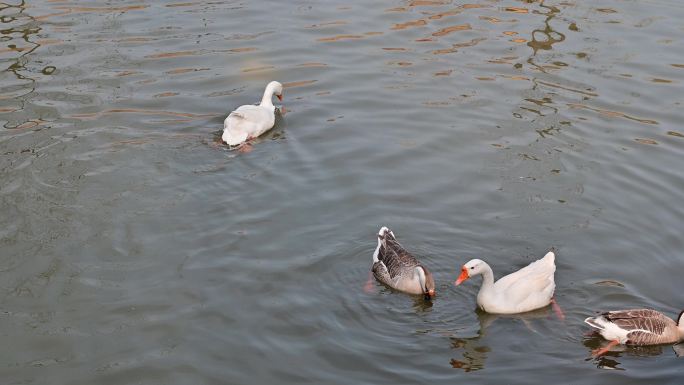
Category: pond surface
[134,248]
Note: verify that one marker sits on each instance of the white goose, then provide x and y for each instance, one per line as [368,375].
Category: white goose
[250,121]
[527,289]
[637,327]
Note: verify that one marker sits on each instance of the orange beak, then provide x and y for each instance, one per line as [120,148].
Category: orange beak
[464,275]
[280,97]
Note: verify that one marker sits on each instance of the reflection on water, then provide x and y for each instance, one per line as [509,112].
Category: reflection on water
[422,305]
[20,31]
[475,352]
[545,38]
[679,349]
[610,360]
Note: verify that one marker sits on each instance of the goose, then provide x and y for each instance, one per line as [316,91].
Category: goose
[636,327]
[396,268]
[250,121]
[527,289]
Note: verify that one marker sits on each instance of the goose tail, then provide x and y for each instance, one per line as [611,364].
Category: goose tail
[233,137]
[382,238]
[594,322]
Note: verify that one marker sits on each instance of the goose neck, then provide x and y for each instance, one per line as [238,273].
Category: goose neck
[267,99]
[487,278]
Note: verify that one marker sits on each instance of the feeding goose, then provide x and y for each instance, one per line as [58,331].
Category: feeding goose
[637,327]
[527,289]
[396,268]
[250,121]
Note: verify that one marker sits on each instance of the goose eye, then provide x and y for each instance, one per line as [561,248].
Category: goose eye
[472,267]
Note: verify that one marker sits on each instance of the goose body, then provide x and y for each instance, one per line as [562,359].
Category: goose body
[527,289]
[638,327]
[398,269]
[250,121]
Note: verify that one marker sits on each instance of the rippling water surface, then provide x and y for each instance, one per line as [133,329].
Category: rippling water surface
[134,248]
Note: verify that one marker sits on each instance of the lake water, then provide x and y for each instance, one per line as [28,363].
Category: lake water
[135,248]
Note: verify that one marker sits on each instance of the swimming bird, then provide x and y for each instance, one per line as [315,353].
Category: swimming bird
[250,121]
[637,327]
[527,289]
[396,268]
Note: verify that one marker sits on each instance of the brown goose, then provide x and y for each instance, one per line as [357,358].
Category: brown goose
[637,327]
[396,268]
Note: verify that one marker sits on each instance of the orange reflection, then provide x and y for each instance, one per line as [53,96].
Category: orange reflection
[254,69]
[517,10]
[453,28]
[299,83]
[409,24]
[127,73]
[178,71]
[171,54]
[612,113]
[490,19]
[165,94]
[418,3]
[243,49]
[455,47]
[312,64]
[182,4]
[340,37]
[440,15]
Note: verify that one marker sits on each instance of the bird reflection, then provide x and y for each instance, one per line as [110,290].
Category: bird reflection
[608,360]
[420,304]
[679,349]
[475,352]
[487,319]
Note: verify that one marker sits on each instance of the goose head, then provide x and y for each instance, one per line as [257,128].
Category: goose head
[427,283]
[276,89]
[472,268]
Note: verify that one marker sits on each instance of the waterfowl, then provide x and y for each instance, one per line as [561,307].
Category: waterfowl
[250,121]
[398,269]
[527,289]
[637,327]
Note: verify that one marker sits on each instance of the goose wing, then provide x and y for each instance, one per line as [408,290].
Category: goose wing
[393,256]
[641,320]
[251,119]
[535,277]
